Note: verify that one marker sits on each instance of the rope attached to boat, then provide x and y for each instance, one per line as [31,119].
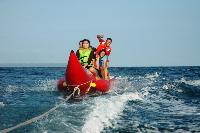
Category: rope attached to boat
[80,84]
[76,88]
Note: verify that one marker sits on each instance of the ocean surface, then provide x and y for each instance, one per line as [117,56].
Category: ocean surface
[142,99]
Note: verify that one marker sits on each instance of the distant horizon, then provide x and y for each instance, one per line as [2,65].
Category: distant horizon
[65,64]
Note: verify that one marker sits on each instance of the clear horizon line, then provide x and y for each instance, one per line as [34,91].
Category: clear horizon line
[64,65]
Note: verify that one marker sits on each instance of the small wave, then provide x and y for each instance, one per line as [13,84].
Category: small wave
[11,88]
[106,110]
[188,87]
[178,107]
[190,82]
[152,76]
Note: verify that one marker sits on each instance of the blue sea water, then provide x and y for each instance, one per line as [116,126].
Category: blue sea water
[142,99]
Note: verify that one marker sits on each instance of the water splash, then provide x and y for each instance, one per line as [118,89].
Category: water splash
[107,110]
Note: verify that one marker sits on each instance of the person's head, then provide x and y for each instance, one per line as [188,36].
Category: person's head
[102,53]
[81,44]
[99,36]
[108,41]
[85,43]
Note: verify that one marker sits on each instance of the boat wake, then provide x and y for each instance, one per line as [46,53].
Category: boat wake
[106,111]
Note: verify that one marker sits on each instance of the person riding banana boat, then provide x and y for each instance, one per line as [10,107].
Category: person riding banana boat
[102,67]
[92,59]
[104,45]
[86,57]
[102,53]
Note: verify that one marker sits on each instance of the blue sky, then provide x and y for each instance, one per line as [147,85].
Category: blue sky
[144,32]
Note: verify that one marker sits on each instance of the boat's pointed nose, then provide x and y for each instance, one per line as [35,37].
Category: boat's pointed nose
[75,74]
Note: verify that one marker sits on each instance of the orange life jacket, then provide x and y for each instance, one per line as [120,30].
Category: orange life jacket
[101,46]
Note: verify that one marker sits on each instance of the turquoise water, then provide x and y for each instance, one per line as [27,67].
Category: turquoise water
[142,99]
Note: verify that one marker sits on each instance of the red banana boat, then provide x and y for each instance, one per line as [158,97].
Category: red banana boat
[79,79]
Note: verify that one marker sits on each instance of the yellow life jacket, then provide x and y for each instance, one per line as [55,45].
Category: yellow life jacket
[84,55]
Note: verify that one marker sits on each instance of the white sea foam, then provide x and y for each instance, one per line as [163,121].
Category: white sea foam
[121,85]
[11,88]
[168,86]
[106,110]
[190,82]
[152,76]
[2,104]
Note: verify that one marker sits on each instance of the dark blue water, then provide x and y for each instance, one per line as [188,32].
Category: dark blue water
[142,99]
